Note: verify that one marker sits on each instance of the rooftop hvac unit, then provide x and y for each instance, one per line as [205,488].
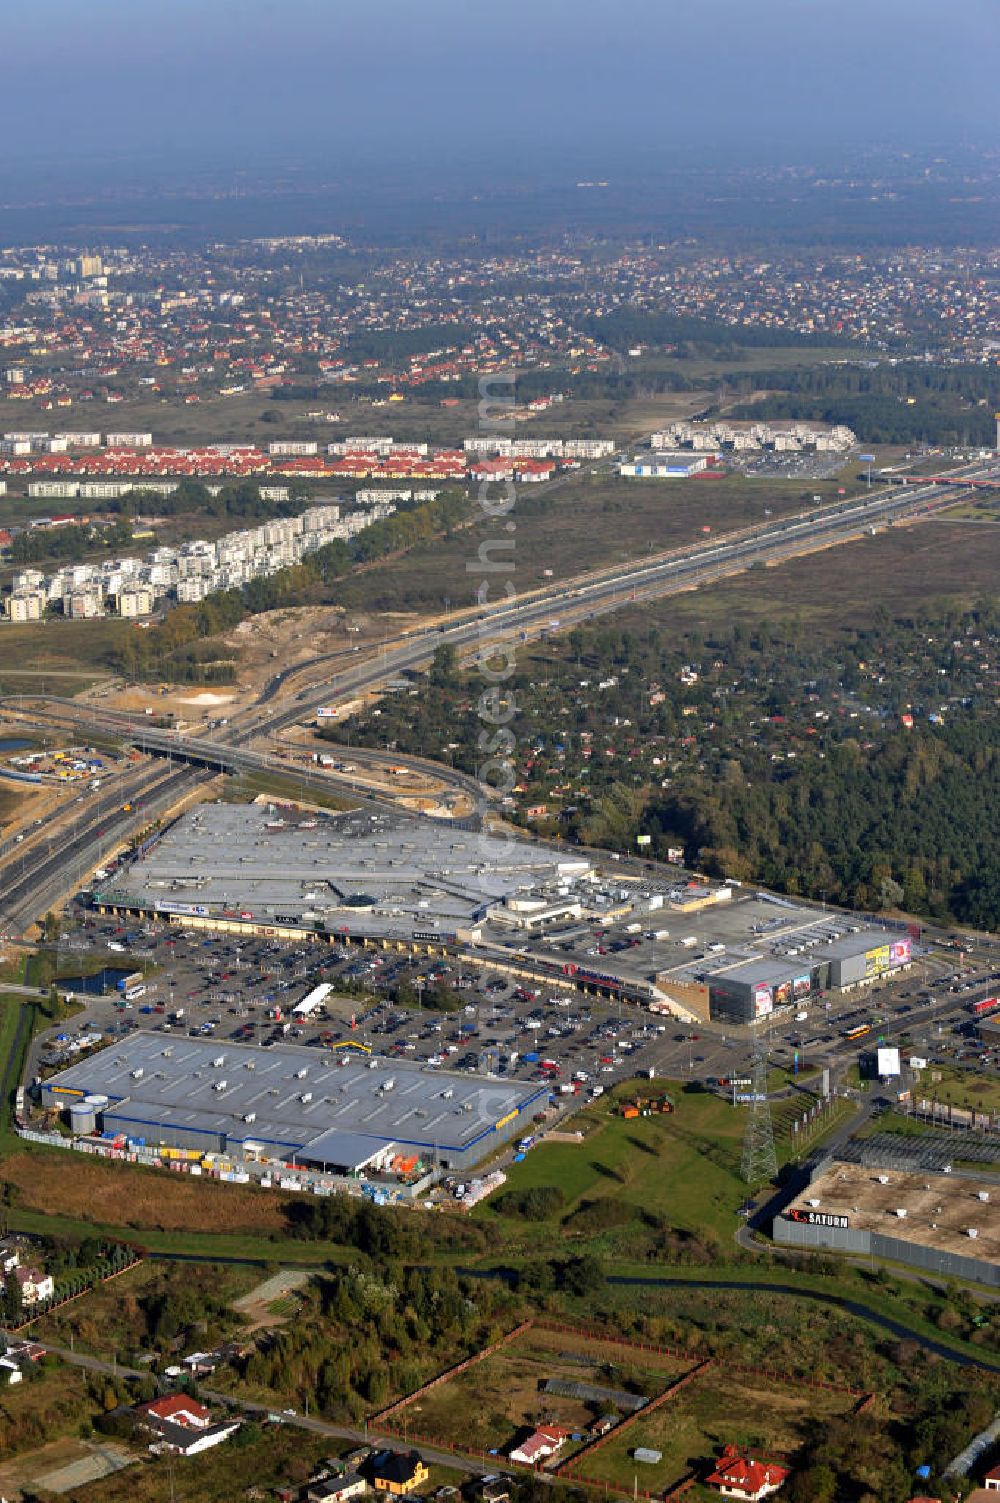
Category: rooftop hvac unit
[306,1097]
[250,1117]
[814,1201]
[250,1065]
[217,1064]
[301,1074]
[973,1232]
[220,1085]
[983,1194]
[901,1212]
[138,1073]
[883,1179]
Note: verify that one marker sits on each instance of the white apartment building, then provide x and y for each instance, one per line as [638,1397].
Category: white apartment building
[192,589]
[128,440]
[83,605]
[285,448]
[588,448]
[27,605]
[135,600]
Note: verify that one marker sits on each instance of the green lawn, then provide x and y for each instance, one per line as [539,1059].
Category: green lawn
[683,1167]
[973,1089]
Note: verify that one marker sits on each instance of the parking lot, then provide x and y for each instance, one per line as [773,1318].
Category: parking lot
[247,989]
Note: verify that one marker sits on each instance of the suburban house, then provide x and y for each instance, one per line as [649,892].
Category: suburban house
[540,1444]
[991,1482]
[397,1473]
[737,1476]
[35,1286]
[336,1489]
[9,1258]
[182,1425]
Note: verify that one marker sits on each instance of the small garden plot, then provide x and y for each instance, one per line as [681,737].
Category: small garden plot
[543,1377]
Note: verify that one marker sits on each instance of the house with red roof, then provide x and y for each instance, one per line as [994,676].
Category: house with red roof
[181,1424]
[739,1476]
[539,1445]
[179,1408]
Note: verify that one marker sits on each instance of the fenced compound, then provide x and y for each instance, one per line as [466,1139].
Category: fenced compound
[931,1151]
[594,1460]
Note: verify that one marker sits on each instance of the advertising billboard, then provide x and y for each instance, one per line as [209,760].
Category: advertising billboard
[901,951]
[801,986]
[887,1062]
[763,1002]
[877,960]
[193,910]
[782,994]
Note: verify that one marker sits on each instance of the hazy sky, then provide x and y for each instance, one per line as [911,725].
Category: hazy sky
[522,82]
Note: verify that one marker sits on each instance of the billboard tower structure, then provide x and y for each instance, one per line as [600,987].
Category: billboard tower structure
[760,1163]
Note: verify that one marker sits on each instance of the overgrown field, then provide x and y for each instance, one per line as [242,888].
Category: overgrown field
[504,1394]
[131,1198]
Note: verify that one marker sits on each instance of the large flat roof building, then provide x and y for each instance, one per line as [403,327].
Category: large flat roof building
[377,873]
[345,1111]
[947,1224]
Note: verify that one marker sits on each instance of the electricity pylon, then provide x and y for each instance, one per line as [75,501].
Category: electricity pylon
[760,1163]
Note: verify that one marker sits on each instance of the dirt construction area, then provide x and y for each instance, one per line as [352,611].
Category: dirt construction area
[62,1466]
[261,646]
[272,1302]
[123,1195]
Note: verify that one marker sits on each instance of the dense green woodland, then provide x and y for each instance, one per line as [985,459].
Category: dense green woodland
[906,403]
[767,756]
[920,813]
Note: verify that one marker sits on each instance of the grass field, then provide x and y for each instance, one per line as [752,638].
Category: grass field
[496,1399]
[974,1089]
[37,1411]
[929,568]
[679,1171]
[720,1407]
[80,647]
[13,1047]
[245,789]
[585,521]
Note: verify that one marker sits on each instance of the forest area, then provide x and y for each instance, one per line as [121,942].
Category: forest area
[863,767]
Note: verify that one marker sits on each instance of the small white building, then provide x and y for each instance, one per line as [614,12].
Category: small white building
[677,465]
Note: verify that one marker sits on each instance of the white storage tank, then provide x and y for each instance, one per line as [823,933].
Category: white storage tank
[82,1119]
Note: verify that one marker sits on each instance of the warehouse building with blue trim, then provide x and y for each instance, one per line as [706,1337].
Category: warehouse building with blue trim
[346,1112]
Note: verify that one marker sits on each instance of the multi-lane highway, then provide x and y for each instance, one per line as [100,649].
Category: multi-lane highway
[477,630]
[29,886]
